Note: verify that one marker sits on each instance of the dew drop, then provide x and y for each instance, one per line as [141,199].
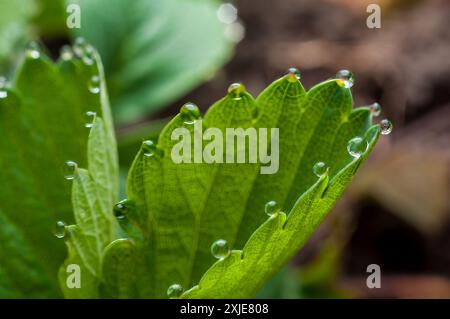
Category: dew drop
[386,126]
[33,50]
[319,169]
[345,78]
[357,146]
[227,13]
[174,291]
[235,32]
[94,84]
[3,92]
[33,54]
[78,47]
[375,109]
[235,90]
[70,170]
[66,53]
[149,148]
[59,229]
[294,73]
[190,113]
[90,118]
[121,209]
[220,249]
[88,55]
[272,208]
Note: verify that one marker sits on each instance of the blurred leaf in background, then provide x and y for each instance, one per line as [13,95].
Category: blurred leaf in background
[14,28]
[153,51]
[50,19]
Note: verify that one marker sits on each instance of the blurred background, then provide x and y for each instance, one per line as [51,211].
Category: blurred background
[162,54]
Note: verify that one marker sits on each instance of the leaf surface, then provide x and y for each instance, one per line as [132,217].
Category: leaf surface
[181,209]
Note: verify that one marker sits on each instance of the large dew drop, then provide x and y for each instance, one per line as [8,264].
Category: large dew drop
[174,291]
[235,90]
[320,169]
[189,113]
[294,73]
[357,146]
[220,249]
[345,78]
[60,229]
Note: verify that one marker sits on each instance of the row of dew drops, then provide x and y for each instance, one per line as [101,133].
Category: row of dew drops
[80,50]
[220,249]
[190,113]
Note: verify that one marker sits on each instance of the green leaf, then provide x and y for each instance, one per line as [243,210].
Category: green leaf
[14,18]
[276,241]
[178,210]
[153,51]
[21,276]
[94,192]
[42,124]
[51,18]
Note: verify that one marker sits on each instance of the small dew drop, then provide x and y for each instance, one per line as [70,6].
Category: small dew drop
[90,118]
[319,169]
[33,54]
[272,208]
[235,32]
[121,209]
[386,126]
[294,73]
[357,146]
[78,47]
[220,249]
[2,82]
[94,84]
[87,60]
[149,148]
[3,92]
[33,50]
[345,78]
[190,113]
[66,53]
[70,170]
[235,90]
[227,13]
[60,229]
[88,55]
[174,291]
[375,109]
